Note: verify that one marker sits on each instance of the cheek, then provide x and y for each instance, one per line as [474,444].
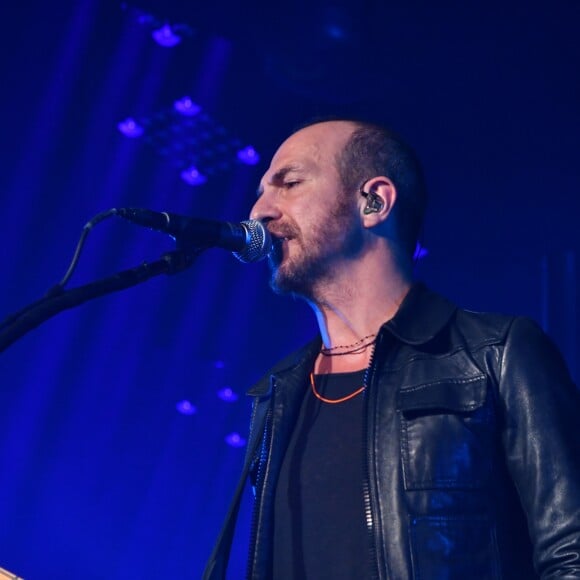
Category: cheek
[311,218]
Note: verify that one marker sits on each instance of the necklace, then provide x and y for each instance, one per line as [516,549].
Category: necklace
[332,401]
[354,348]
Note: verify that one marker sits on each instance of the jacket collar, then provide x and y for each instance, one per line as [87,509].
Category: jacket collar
[421,316]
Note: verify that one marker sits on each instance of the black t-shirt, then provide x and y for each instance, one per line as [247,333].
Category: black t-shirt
[319,523]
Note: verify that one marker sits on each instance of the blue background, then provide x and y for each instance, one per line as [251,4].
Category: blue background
[100,476]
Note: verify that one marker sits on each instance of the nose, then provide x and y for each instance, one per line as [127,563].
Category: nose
[266,208]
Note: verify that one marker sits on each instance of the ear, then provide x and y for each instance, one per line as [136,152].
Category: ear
[378,197]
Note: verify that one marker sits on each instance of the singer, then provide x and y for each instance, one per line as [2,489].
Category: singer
[410,438]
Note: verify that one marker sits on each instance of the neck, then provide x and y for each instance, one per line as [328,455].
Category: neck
[354,306]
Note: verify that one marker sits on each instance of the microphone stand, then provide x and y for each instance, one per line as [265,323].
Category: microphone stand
[59,299]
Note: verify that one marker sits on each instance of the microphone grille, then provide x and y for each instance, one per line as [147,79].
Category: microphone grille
[258,242]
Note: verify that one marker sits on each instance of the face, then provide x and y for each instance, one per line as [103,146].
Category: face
[313,221]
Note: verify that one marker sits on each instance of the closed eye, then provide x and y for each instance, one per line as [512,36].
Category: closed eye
[283,185]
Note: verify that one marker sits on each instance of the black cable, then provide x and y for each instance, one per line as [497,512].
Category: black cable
[80,245]
[59,288]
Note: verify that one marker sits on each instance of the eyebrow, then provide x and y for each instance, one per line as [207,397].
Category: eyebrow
[279,176]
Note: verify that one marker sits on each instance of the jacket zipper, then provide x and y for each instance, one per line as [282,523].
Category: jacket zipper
[264,457]
[369,516]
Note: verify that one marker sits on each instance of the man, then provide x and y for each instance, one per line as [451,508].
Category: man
[411,439]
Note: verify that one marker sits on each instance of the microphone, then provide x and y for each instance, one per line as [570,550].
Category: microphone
[249,240]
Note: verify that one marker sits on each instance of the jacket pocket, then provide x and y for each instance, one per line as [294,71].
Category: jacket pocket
[446,434]
[454,548]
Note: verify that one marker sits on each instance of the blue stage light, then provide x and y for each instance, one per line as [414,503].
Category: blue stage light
[130,128]
[166,36]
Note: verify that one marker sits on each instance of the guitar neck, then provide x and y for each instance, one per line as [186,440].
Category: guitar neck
[5,575]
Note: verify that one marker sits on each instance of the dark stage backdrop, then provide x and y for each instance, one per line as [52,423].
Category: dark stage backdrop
[123,422]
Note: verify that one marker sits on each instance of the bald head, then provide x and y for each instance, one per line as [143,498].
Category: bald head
[322,142]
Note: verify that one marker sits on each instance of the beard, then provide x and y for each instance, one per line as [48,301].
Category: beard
[316,251]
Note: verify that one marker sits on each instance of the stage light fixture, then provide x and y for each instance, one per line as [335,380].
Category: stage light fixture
[164,33]
[420,252]
[235,440]
[192,176]
[198,147]
[130,128]
[185,407]
[248,155]
[227,394]
[166,36]
[185,106]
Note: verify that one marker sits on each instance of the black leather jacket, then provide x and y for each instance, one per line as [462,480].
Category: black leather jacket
[473,449]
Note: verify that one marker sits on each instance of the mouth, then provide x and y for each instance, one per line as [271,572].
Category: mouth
[279,248]
[279,237]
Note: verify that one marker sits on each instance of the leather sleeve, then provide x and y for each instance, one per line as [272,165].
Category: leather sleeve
[542,445]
